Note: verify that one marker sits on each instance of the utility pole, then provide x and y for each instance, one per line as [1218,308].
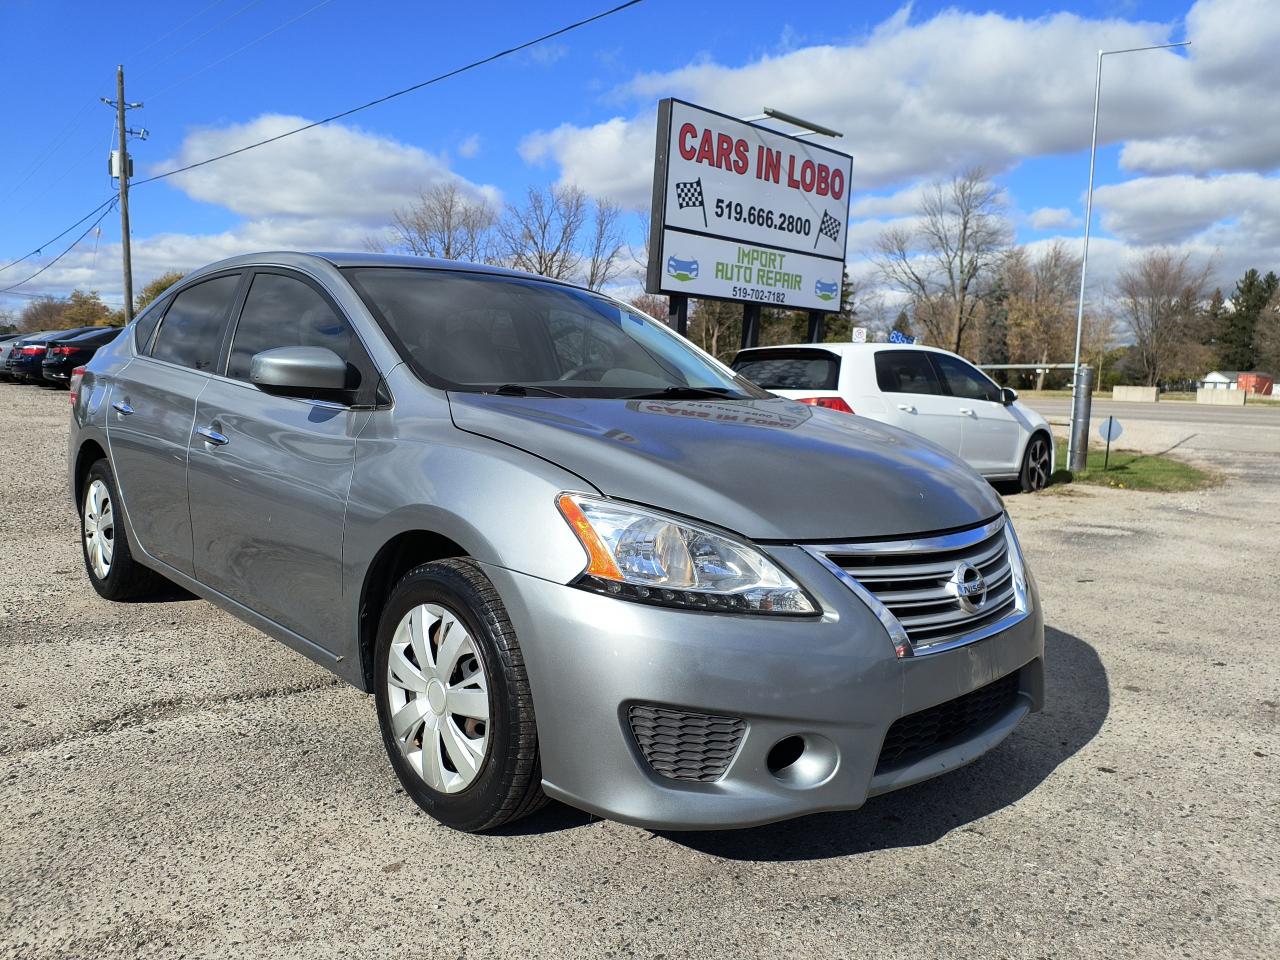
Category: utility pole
[123,169]
[122,134]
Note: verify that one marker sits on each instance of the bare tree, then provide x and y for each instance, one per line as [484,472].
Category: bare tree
[1159,298]
[604,244]
[713,325]
[447,222]
[945,262]
[541,235]
[1041,298]
[1266,336]
[44,313]
[652,304]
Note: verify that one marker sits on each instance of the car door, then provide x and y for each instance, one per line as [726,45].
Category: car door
[992,434]
[915,399]
[269,474]
[153,403]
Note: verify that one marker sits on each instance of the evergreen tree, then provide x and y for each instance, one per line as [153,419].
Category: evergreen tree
[1215,323]
[1237,344]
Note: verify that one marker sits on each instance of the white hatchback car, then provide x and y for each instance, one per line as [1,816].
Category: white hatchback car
[931,392]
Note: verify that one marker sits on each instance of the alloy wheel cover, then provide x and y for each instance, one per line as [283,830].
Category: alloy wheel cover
[438,698]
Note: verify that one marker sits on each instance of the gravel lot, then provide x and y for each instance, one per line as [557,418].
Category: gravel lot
[173,783]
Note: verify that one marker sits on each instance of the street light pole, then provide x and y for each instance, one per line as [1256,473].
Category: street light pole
[1078,442]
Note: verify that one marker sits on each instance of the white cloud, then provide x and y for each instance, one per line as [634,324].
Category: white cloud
[1177,208]
[329,171]
[329,188]
[922,98]
[1052,218]
[469,147]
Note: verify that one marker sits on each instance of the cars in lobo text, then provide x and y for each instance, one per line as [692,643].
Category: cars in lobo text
[930,392]
[568,553]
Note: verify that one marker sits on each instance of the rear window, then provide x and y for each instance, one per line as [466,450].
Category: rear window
[790,370]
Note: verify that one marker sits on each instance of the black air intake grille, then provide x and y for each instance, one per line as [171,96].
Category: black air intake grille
[920,734]
[686,746]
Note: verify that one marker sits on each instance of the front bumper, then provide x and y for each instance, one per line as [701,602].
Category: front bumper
[833,681]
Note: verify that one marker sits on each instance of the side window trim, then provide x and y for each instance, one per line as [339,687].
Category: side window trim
[160,307]
[370,375]
[173,297]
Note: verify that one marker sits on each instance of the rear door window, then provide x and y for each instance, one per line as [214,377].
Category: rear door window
[965,381]
[191,332]
[906,371]
[791,370]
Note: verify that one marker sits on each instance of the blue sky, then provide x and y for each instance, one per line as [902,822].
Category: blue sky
[541,115]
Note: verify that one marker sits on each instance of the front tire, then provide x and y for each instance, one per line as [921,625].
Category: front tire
[1035,464]
[108,561]
[453,699]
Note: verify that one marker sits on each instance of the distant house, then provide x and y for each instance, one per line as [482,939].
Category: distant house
[1221,380]
[1254,382]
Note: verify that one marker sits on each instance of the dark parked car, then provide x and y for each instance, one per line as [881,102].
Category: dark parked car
[27,355]
[64,354]
[7,344]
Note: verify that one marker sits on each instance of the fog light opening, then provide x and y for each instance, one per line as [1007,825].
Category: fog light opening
[802,760]
[784,754]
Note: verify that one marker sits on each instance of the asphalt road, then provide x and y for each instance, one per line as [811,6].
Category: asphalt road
[173,783]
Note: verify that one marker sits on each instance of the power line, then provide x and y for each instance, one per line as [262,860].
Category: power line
[110,203]
[61,138]
[398,93]
[227,19]
[169,33]
[27,256]
[241,49]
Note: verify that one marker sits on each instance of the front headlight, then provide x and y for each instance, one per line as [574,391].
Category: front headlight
[643,555]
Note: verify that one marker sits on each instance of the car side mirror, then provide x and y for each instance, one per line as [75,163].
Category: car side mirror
[1008,395]
[298,371]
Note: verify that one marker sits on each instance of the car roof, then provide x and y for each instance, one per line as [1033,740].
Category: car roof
[845,348]
[350,259]
[91,332]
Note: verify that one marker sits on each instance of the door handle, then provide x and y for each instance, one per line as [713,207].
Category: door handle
[122,408]
[211,436]
[906,408]
[965,411]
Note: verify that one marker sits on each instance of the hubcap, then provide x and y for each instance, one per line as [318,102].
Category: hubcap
[439,698]
[99,529]
[1038,464]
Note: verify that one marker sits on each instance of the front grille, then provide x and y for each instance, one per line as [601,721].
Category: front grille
[920,734]
[685,746]
[913,580]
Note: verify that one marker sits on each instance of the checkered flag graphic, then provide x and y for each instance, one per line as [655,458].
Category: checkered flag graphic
[830,228]
[689,194]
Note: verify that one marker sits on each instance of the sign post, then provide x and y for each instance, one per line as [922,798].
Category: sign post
[744,213]
[1109,430]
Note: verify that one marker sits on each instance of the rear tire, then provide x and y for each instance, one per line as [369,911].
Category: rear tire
[453,699]
[1034,475]
[108,561]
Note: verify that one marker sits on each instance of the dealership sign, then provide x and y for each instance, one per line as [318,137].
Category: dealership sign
[745,213]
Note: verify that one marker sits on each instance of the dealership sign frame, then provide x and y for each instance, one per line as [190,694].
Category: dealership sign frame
[744,213]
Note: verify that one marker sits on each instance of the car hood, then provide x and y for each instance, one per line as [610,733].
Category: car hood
[769,469]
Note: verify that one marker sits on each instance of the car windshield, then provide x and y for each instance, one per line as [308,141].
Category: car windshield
[499,334]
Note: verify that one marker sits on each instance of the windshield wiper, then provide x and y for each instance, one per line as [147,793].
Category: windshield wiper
[687,393]
[523,390]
